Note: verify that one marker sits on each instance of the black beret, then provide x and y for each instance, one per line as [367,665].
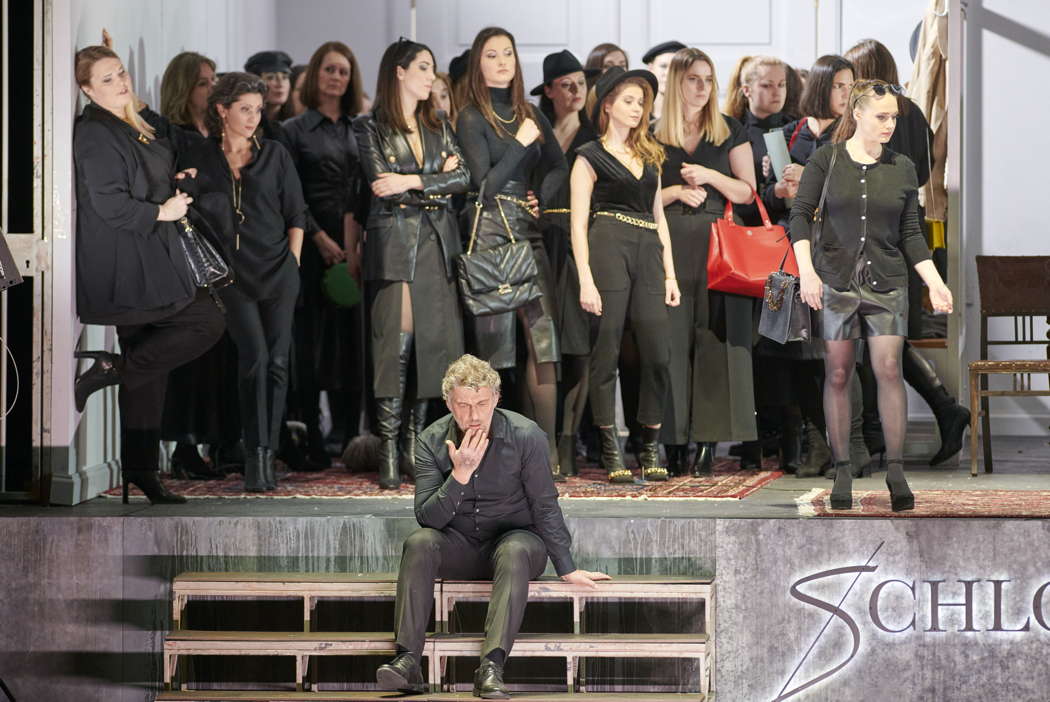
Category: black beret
[668,47]
[269,62]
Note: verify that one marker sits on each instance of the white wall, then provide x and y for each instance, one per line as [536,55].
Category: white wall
[785,28]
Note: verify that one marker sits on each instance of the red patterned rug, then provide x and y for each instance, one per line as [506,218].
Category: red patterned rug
[727,482]
[934,503]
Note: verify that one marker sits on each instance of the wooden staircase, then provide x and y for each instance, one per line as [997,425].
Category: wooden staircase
[441,645]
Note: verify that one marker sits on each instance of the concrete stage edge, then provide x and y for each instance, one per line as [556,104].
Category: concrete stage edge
[870,609]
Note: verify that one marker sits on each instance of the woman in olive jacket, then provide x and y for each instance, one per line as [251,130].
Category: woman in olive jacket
[413,163]
[131,269]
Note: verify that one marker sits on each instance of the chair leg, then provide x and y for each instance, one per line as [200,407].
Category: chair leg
[974,419]
[986,433]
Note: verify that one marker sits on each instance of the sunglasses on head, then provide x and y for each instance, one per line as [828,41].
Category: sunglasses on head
[880,88]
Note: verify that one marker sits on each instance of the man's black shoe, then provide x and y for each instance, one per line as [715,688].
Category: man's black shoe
[488,682]
[402,674]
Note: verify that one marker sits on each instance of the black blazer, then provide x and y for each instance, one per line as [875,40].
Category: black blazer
[871,218]
[512,487]
[130,268]
[394,223]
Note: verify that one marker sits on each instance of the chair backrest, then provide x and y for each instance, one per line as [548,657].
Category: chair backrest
[1018,287]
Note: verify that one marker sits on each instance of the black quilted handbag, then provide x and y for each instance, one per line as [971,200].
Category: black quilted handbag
[498,279]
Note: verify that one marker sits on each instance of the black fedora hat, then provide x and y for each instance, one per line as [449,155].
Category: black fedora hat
[457,67]
[558,64]
[613,77]
[668,47]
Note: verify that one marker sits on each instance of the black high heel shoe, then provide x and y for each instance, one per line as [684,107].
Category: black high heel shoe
[149,483]
[842,492]
[901,497]
[186,463]
[105,371]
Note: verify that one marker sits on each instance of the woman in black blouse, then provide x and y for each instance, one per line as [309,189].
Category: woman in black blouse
[249,189]
[329,341]
[509,146]
[131,271]
[563,94]
[856,273]
[623,252]
[411,158]
[708,162]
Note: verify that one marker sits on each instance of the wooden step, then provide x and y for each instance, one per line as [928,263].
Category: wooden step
[322,696]
[309,587]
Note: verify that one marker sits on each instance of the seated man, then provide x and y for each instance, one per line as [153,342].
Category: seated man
[488,508]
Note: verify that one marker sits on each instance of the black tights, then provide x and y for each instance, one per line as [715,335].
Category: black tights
[839,363]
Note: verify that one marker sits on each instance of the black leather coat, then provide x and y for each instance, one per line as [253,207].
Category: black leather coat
[394,223]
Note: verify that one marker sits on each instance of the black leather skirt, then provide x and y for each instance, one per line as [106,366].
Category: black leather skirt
[862,311]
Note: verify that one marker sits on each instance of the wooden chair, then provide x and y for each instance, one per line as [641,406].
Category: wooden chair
[1016,287]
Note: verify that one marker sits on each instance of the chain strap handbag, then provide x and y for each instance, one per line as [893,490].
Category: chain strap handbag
[500,278]
[207,266]
[785,317]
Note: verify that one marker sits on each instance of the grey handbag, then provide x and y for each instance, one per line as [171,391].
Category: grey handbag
[785,317]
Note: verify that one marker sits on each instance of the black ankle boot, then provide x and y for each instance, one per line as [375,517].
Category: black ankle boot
[704,461]
[675,459]
[952,418]
[254,475]
[612,457]
[567,454]
[901,497]
[186,462]
[818,458]
[751,455]
[105,371]
[149,482]
[842,492]
[269,469]
[791,446]
[649,455]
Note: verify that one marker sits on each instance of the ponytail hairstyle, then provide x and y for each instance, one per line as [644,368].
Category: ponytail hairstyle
[670,128]
[387,105]
[85,61]
[476,91]
[862,90]
[639,140]
[746,72]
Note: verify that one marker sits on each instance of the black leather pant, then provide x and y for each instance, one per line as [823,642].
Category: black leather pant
[151,351]
[510,561]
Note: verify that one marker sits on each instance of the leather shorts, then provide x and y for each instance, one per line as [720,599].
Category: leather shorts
[861,311]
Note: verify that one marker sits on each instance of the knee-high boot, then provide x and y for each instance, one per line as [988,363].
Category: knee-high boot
[417,422]
[388,421]
[952,418]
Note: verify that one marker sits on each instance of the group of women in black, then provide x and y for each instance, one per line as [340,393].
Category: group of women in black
[620,248]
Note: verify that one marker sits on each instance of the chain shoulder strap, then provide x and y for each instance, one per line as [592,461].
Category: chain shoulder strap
[477,218]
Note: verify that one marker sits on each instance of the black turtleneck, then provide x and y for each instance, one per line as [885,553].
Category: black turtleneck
[496,157]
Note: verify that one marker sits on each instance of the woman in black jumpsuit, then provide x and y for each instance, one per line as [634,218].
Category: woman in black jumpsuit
[249,188]
[411,158]
[507,142]
[563,94]
[329,341]
[708,162]
[624,259]
[131,270]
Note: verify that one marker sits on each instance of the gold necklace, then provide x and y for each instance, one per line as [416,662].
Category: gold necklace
[236,194]
[512,120]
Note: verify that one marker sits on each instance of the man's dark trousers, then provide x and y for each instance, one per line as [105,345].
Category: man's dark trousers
[510,561]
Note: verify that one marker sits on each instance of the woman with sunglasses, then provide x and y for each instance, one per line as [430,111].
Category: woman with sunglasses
[912,137]
[856,274]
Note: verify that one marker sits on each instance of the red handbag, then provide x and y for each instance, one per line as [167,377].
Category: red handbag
[740,258]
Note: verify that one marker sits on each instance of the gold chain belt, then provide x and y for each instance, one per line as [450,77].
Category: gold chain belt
[627,219]
[558,210]
[517,201]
